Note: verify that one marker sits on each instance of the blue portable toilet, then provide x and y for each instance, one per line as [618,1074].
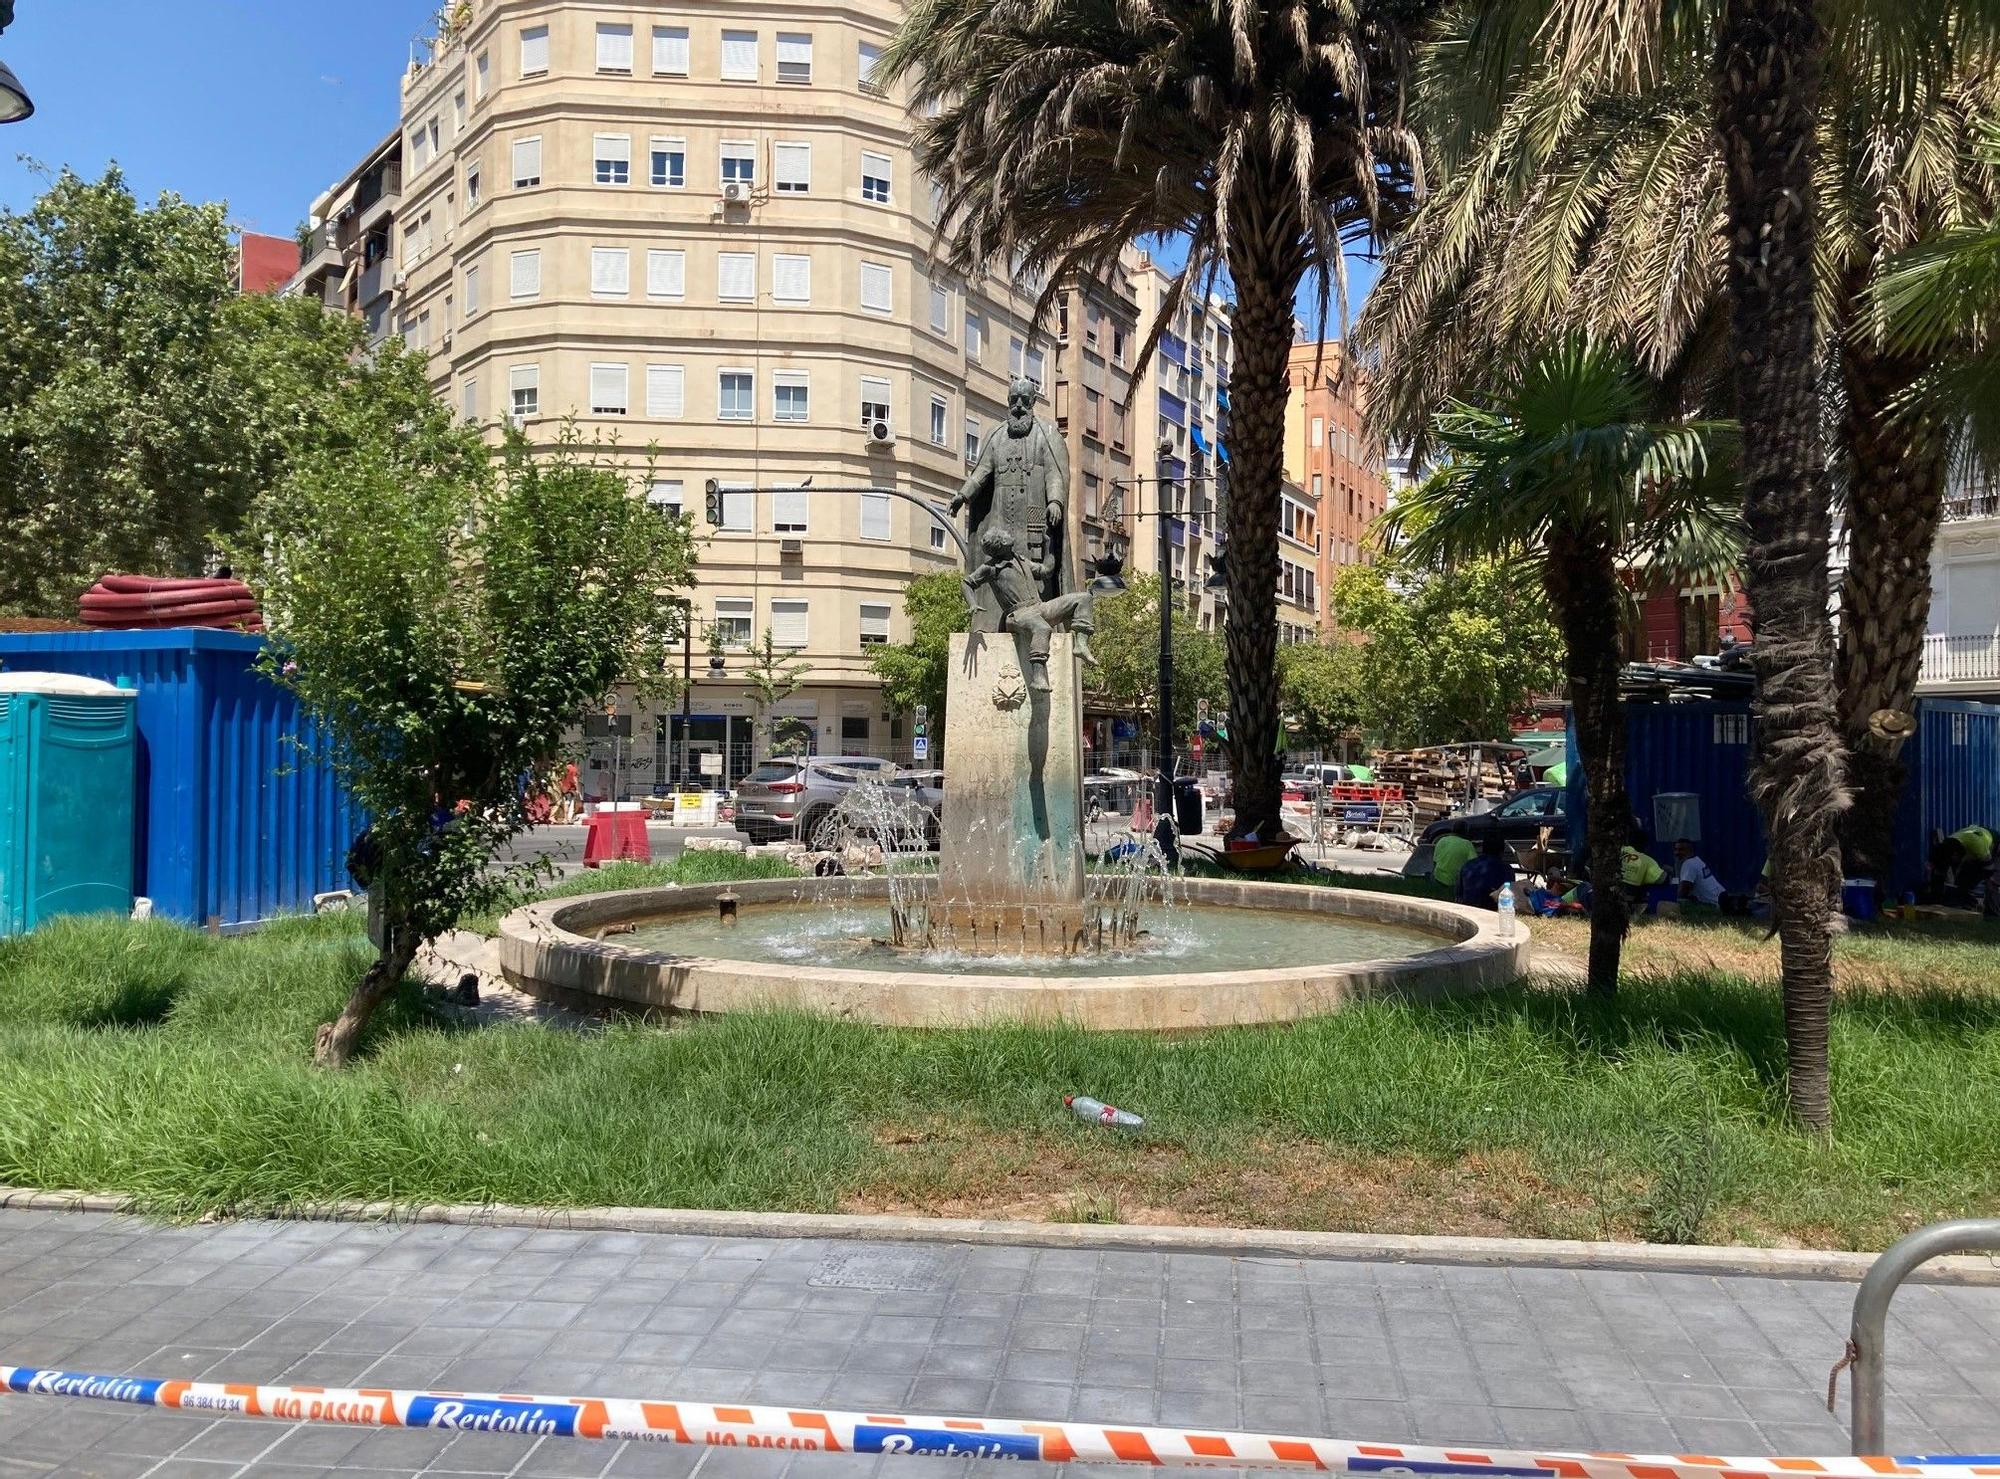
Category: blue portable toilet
[68,797]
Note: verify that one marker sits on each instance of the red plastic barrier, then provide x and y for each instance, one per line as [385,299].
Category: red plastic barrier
[616,837]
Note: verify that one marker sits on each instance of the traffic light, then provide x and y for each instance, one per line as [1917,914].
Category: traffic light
[713,490]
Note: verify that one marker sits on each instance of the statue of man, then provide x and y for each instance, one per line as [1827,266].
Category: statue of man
[1020,486]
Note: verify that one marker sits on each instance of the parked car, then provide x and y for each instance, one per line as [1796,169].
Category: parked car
[1519,818]
[792,797]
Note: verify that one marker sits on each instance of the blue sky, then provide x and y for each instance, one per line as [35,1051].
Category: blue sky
[261,103]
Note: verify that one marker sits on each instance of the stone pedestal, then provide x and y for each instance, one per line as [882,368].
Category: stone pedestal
[1011,860]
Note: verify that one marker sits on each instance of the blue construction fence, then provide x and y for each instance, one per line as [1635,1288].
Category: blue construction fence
[240,816]
[1703,749]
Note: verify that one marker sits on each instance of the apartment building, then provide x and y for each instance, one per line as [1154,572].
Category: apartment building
[347,259]
[1097,338]
[1326,455]
[696,232]
[1180,417]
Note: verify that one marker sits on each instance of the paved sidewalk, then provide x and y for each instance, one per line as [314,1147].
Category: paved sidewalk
[1521,1357]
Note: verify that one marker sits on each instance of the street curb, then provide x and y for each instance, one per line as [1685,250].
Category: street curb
[1774,1263]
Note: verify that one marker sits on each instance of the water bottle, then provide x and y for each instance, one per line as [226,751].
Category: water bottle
[1086,1108]
[1506,911]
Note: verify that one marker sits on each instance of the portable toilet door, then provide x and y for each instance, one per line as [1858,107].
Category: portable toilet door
[68,789]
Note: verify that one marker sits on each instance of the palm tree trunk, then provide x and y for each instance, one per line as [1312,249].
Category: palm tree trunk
[1768,64]
[1582,581]
[1894,504]
[1259,385]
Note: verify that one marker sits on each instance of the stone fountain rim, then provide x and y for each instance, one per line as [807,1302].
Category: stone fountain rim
[542,952]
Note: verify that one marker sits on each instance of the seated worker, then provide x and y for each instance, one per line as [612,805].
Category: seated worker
[1480,881]
[1960,863]
[1639,871]
[1698,884]
[1448,857]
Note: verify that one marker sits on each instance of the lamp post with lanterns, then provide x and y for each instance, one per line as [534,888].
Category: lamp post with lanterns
[15,104]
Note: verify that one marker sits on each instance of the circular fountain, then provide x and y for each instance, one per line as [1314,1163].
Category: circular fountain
[1012,924]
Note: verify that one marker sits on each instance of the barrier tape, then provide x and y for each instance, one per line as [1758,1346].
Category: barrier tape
[805,1429]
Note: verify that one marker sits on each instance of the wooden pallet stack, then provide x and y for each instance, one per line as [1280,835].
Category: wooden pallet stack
[1437,781]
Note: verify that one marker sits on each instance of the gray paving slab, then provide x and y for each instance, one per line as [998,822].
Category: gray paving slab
[1522,1357]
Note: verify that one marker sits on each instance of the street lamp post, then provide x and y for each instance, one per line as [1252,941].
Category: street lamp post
[15,104]
[1163,825]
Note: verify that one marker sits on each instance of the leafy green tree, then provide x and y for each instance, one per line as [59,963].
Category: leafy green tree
[445,621]
[916,672]
[772,679]
[1447,658]
[143,403]
[1270,136]
[1562,468]
[1127,644]
[1320,684]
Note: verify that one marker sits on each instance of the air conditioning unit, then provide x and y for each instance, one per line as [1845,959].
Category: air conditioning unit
[402,278]
[735,192]
[791,546]
[447,339]
[880,434]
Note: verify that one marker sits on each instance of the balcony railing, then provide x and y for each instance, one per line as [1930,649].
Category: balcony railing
[1962,659]
[1978,503]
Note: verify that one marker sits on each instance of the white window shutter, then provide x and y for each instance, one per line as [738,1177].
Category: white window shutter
[526,279]
[610,272]
[788,623]
[534,50]
[666,392]
[875,516]
[1037,363]
[614,48]
[670,51]
[870,59]
[788,508]
[795,50]
[527,159]
[874,622]
[739,56]
[940,309]
[608,388]
[876,287]
[666,273]
[614,147]
[791,278]
[791,166]
[736,275]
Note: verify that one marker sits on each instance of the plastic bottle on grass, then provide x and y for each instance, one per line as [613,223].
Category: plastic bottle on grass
[1507,924]
[1086,1108]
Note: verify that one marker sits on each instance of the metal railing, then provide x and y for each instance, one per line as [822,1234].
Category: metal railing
[1866,1348]
[1969,658]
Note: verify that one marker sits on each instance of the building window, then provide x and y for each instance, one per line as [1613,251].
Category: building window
[737,506]
[614,48]
[1093,495]
[877,173]
[1319,486]
[524,391]
[666,392]
[1118,347]
[791,168]
[971,439]
[482,76]
[670,51]
[795,57]
[791,278]
[666,272]
[1062,321]
[1318,431]
[739,162]
[939,414]
[614,159]
[665,496]
[869,58]
[610,272]
[471,291]
[458,113]
[975,336]
[941,310]
[524,278]
[874,624]
[874,399]
[534,51]
[877,287]
[736,276]
[739,56]
[610,390]
[1017,357]
[1038,368]
[472,187]
[733,616]
[736,396]
[527,162]
[469,405]
[788,511]
[670,160]
[790,396]
[875,517]
[788,623]
[1093,414]
[940,517]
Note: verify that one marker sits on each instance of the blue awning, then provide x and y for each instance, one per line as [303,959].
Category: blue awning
[1222,451]
[1222,396]
[1200,441]
[1173,408]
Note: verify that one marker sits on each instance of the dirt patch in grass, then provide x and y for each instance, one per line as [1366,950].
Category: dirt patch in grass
[1261,1182]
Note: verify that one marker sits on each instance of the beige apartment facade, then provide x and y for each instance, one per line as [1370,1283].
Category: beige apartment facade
[696,235]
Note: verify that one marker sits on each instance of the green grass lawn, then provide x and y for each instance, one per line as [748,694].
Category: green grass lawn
[148,1059]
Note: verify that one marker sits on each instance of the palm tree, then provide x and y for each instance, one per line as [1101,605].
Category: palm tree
[1564,466]
[1595,196]
[1269,136]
